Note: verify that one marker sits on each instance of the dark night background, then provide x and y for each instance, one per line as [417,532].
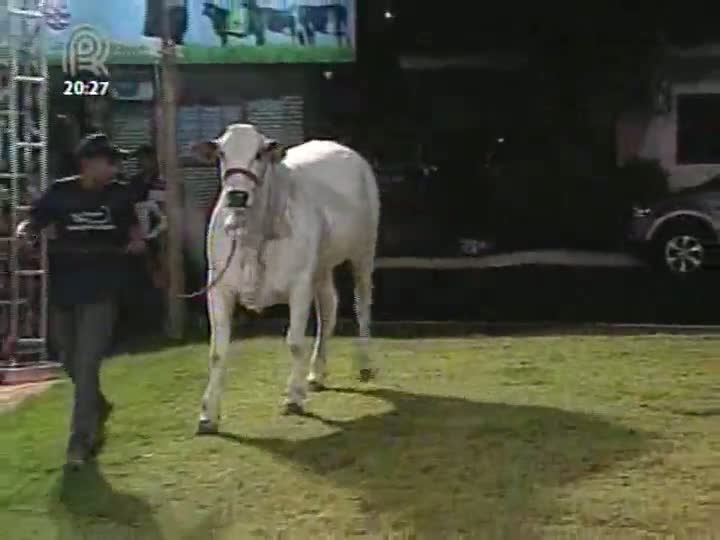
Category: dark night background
[471,27]
[571,44]
[583,64]
[550,78]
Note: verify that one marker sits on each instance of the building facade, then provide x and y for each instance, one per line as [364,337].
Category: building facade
[681,132]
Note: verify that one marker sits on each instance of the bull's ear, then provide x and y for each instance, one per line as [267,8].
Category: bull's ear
[206,151]
[275,150]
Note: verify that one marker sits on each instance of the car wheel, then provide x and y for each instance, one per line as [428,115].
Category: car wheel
[682,250]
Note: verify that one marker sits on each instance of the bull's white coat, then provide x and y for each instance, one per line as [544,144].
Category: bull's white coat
[316,206]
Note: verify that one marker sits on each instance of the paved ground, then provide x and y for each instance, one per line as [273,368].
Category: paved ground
[12,395]
[546,257]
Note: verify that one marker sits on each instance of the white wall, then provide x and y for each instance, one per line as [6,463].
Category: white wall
[660,140]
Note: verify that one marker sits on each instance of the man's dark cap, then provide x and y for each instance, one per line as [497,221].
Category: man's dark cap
[99,145]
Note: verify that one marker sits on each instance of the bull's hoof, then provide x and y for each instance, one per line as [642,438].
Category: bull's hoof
[293,409]
[207,427]
[315,386]
[366,375]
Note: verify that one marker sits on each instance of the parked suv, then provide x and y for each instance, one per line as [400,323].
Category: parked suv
[681,232]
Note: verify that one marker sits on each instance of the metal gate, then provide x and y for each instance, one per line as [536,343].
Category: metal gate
[24,119]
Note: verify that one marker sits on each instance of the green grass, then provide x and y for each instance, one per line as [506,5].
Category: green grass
[267,54]
[523,438]
[196,54]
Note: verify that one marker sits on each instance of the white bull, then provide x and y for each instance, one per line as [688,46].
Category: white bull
[295,215]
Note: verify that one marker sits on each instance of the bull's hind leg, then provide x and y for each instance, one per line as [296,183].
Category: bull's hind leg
[300,300]
[221,306]
[362,275]
[326,303]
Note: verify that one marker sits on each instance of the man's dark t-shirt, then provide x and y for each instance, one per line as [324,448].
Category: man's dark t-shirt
[87,259]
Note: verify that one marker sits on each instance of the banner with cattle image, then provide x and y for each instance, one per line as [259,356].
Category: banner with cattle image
[205,31]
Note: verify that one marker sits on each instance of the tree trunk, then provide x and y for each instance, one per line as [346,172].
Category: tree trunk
[175,319]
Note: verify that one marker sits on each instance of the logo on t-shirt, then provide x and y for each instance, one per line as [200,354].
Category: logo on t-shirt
[91,220]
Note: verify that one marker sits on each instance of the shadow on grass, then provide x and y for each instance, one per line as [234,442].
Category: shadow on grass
[452,466]
[85,505]
[147,344]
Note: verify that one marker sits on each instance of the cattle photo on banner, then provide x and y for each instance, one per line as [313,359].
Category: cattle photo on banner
[206,31]
[177,19]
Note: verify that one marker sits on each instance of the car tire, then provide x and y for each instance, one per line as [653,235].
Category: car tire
[681,250]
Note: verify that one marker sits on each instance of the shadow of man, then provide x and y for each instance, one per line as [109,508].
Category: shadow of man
[85,505]
[450,466]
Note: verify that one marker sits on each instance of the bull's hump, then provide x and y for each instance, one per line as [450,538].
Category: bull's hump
[319,145]
[316,150]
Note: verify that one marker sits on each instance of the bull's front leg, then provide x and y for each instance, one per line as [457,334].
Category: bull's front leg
[301,297]
[221,306]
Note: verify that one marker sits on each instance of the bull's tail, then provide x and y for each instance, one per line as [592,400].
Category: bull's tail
[373,195]
[362,267]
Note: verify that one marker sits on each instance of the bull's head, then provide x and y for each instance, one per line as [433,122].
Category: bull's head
[244,156]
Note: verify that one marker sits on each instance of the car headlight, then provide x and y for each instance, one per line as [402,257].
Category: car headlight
[641,212]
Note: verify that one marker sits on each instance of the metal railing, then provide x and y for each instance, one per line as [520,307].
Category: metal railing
[25,112]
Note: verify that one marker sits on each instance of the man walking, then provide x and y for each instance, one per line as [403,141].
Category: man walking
[147,184]
[96,228]
[143,312]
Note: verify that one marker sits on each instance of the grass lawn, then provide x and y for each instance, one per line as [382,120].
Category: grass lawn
[582,437]
[242,54]
[267,54]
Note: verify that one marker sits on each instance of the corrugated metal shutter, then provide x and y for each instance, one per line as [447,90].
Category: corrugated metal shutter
[188,121]
[201,186]
[268,116]
[211,122]
[232,114]
[131,127]
[198,123]
[282,119]
[4,33]
[294,120]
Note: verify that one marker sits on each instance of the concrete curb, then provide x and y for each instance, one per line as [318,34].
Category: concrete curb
[29,372]
[542,257]
[12,396]
[419,329]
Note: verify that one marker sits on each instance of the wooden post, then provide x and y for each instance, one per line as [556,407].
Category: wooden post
[175,316]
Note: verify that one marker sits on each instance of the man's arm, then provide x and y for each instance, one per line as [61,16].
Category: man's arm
[42,214]
[136,237]
[42,211]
